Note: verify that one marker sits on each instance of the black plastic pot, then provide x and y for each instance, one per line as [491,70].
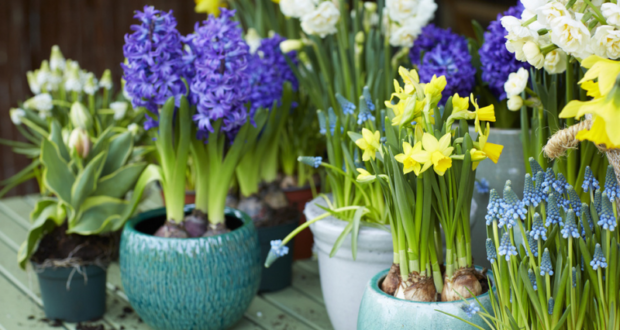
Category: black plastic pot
[280,274]
[81,299]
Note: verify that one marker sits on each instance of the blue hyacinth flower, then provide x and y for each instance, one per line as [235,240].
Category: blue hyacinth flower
[570,227]
[506,248]
[589,181]
[606,218]
[598,261]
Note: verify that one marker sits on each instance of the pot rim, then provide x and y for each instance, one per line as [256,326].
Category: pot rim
[130,226]
[374,286]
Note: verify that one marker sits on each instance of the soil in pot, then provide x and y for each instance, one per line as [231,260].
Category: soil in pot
[58,245]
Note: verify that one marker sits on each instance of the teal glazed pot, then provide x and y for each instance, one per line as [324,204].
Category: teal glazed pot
[72,296]
[204,283]
[380,311]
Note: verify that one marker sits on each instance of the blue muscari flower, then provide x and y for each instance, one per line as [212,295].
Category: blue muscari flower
[442,52]
[277,250]
[607,220]
[368,99]
[535,167]
[364,116]
[548,182]
[348,108]
[532,278]
[530,195]
[221,87]
[550,305]
[560,184]
[506,248]
[470,309]
[570,227]
[513,208]
[598,261]
[612,189]
[491,253]
[269,71]
[545,265]
[553,212]
[482,186]
[332,120]
[494,208]
[538,229]
[311,161]
[533,243]
[589,181]
[539,187]
[598,201]
[322,123]
[156,62]
[585,213]
[496,61]
[575,201]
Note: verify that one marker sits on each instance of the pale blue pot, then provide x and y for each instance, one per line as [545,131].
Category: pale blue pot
[380,311]
[190,283]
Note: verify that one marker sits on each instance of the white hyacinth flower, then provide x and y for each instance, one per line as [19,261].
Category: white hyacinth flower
[35,88]
[516,83]
[17,115]
[106,80]
[57,60]
[296,8]
[515,103]
[572,36]
[72,81]
[611,12]
[606,42]
[555,61]
[41,102]
[90,85]
[119,108]
[533,55]
[321,21]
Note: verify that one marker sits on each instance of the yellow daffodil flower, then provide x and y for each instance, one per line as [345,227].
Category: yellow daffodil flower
[409,163]
[436,153]
[491,150]
[459,103]
[435,86]
[370,143]
[208,7]
[591,88]
[603,69]
[410,78]
[482,114]
[597,134]
[476,157]
[364,176]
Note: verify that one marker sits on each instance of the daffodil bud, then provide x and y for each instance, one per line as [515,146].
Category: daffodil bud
[17,115]
[119,108]
[291,45]
[57,60]
[106,80]
[365,176]
[80,117]
[515,103]
[80,141]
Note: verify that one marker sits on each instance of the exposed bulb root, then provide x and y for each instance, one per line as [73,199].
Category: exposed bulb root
[171,230]
[216,229]
[463,281]
[392,280]
[417,288]
[196,223]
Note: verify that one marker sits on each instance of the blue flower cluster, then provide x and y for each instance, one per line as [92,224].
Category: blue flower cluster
[589,181]
[442,52]
[598,261]
[538,229]
[553,212]
[531,197]
[532,277]
[497,62]
[278,249]
[491,253]
[482,186]
[221,85]
[311,161]
[549,180]
[606,218]
[574,201]
[570,226]
[545,265]
[612,189]
[470,309]
[506,248]
[533,243]
[512,207]
[348,108]
[270,71]
[156,63]
[494,208]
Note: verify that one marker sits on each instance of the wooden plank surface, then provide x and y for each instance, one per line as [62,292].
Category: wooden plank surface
[297,307]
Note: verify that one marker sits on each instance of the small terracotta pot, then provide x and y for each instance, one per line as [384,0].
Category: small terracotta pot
[190,197]
[298,197]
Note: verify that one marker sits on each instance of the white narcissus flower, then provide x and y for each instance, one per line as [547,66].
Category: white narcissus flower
[426,12]
[571,35]
[17,115]
[611,12]
[403,36]
[555,61]
[516,83]
[517,36]
[119,108]
[41,102]
[296,8]
[606,42]
[252,39]
[549,12]
[533,5]
[514,103]
[402,10]
[533,55]
[321,21]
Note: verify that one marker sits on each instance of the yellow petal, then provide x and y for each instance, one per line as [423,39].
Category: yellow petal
[486,114]
[459,103]
[422,157]
[444,142]
[604,69]
[429,142]
[400,158]
[493,151]
[600,135]
[579,108]
[592,88]
[208,7]
[407,148]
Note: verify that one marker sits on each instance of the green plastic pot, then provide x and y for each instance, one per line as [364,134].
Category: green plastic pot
[280,274]
[73,297]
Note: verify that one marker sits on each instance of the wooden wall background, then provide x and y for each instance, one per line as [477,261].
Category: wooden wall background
[91,32]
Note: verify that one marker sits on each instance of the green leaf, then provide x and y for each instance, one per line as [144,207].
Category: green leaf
[101,144]
[56,137]
[86,181]
[97,215]
[46,220]
[357,217]
[340,239]
[117,184]
[57,175]
[118,152]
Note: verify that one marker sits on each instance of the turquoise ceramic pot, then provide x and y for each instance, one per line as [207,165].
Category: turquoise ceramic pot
[191,283]
[381,311]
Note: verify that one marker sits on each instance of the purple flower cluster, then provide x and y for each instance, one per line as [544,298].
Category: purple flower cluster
[497,61]
[442,52]
[155,61]
[221,85]
[270,71]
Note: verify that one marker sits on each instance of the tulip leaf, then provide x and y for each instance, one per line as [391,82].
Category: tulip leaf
[101,144]
[99,214]
[56,137]
[86,181]
[117,184]
[57,175]
[44,222]
[118,153]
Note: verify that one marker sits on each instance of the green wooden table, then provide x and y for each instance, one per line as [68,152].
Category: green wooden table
[297,307]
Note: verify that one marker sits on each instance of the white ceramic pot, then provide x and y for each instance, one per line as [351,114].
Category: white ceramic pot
[343,280]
